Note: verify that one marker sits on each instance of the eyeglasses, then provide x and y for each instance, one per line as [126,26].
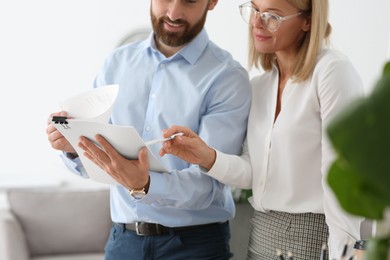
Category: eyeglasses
[271,21]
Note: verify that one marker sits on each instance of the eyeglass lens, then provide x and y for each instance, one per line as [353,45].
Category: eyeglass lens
[270,21]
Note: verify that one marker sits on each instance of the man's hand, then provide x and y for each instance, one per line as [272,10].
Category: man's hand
[56,139]
[132,174]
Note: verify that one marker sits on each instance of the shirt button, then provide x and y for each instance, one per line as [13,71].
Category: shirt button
[162,66]
[147,128]
[153,96]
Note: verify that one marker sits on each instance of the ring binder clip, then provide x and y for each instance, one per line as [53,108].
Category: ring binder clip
[61,120]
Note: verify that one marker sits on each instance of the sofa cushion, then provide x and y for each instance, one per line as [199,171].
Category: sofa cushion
[72,257]
[62,221]
[12,241]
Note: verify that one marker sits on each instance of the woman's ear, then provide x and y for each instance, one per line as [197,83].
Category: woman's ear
[306,24]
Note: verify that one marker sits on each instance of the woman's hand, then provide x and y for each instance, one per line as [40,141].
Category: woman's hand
[189,147]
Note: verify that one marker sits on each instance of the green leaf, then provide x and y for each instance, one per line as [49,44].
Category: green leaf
[360,177]
[377,249]
[361,136]
[386,70]
[356,194]
[361,133]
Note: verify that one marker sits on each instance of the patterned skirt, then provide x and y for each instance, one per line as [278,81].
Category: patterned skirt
[301,234]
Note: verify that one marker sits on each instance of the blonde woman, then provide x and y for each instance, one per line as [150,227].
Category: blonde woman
[286,155]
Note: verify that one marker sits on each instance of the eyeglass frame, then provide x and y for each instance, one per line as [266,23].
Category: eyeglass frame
[258,14]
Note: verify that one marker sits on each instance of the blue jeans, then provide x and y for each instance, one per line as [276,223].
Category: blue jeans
[209,242]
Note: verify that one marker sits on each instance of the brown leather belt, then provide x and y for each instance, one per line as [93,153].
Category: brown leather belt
[152,229]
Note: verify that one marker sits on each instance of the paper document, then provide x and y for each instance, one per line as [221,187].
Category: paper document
[91,111]
[93,105]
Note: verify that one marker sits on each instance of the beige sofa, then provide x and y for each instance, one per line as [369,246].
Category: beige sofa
[55,224]
[73,224]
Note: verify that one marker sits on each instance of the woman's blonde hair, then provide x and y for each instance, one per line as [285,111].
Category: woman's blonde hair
[312,42]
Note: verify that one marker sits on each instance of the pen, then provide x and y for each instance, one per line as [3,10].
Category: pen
[155,141]
[279,254]
[344,254]
[323,252]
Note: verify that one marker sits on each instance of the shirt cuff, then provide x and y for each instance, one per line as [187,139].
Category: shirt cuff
[74,165]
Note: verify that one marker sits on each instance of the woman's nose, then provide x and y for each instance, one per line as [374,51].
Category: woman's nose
[259,22]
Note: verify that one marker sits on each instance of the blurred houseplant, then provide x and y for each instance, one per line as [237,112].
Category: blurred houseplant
[360,176]
[241,195]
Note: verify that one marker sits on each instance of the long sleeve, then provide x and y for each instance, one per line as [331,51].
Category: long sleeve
[339,86]
[233,170]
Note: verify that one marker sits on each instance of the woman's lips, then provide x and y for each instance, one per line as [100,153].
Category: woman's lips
[262,37]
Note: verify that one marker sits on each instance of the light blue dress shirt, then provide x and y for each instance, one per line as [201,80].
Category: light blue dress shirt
[200,87]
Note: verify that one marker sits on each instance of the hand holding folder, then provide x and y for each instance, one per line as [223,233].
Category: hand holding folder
[97,104]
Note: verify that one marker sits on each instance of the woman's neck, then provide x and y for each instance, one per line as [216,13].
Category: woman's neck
[285,63]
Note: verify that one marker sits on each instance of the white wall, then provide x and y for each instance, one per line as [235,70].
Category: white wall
[362,31]
[51,50]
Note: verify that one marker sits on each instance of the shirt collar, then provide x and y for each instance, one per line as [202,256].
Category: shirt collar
[195,48]
[191,52]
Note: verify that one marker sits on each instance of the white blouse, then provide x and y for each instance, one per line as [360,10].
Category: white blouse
[285,162]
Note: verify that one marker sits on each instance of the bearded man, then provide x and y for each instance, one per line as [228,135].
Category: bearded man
[175,77]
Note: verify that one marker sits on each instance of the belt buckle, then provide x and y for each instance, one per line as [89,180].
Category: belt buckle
[137,229]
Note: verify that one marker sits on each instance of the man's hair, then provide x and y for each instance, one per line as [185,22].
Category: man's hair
[312,42]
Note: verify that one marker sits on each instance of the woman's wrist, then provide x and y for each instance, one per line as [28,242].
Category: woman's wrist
[210,159]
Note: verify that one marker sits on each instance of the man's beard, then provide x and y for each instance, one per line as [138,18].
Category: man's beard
[176,39]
